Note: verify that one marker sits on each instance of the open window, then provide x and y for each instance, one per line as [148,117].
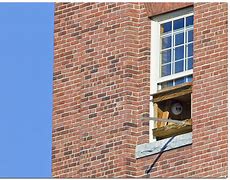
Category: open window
[172,108]
[171,74]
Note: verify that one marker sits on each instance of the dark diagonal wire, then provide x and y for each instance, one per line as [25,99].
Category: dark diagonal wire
[159,155]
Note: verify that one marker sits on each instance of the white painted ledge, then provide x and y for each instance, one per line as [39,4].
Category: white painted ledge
[148,149]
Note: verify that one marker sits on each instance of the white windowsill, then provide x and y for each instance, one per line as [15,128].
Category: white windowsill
[148,149]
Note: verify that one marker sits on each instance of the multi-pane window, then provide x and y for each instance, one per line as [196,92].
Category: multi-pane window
[171,65]
[176,51]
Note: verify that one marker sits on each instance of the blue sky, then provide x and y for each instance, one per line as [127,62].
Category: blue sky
[26,67]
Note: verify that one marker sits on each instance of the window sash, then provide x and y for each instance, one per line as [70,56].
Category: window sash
[172,62]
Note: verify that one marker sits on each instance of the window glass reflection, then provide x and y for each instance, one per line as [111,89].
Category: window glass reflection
[166,42]
[189,21]
[190,63]
[178,24]
[179,66]
[166,70]
[189,78]
[166,56]
[179,52]
[190,49]
[190,36]
[180,81]
[179,39]
[166,27]
[166,84]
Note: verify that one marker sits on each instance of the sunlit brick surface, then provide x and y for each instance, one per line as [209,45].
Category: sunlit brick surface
[101,90]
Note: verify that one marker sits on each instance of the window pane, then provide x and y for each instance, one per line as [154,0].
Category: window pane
[179,66]
[166,42]
[166,27]
[190,63]
[166,70]
[179,39]
[179,81]
[189,78]
[166,56]
[190,50]
[190,36]
[166,84]
[189,21]
[179,52]
[177,24]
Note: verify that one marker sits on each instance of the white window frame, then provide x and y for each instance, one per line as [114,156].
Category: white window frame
[155,58]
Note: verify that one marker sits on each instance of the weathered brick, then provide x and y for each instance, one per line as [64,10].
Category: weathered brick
[92,106]
[93,115]
[88,94]
[129,124]
[89,50]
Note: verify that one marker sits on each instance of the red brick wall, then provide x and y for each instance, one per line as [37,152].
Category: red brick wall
[210,90]
[101,86]
[101,90]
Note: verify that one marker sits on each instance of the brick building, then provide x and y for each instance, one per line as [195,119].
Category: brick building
[112,62]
